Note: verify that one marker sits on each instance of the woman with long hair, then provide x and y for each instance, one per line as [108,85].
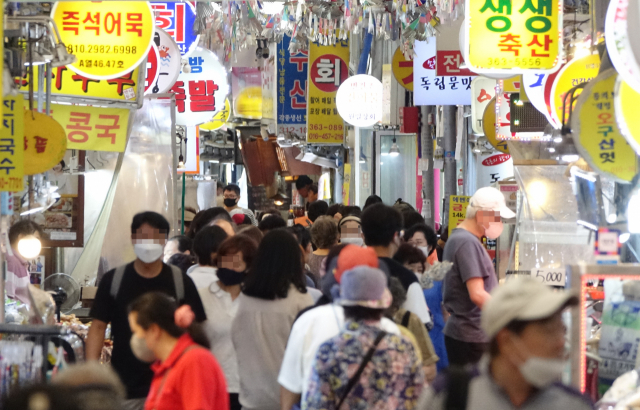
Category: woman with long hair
[187,376]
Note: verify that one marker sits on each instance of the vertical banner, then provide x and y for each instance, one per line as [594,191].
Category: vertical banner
[12,145]
[457,210]
[269,85]
[291,89]
[328,69]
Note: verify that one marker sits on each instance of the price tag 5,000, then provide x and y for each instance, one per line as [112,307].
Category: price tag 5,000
[552,277]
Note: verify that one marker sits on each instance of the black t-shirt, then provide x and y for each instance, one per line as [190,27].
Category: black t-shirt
[396,270]
[135,374]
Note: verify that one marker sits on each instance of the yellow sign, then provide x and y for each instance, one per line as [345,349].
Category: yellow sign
[627,101]
[108,38]
[66,82]
[489,127]
[248,104]
[346,184]
[219,119]
[45,142]
[512,85]
[328,68]
[12,145]
[574,73]
[402,69]
[457,210]
[596,133]
[514,35]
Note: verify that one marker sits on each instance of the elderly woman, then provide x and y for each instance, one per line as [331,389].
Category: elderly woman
[324,234]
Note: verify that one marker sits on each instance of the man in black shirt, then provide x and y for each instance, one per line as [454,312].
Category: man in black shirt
[121,286]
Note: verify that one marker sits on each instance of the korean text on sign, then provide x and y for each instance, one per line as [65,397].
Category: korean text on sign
[177,20]
[292,73]
[514,34]
[457,210]
[12,145]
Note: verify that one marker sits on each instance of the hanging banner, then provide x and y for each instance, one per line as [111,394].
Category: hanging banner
[219,119]
[292,89]
[402,69]
[457,210]
[489,128]
[627,101]
[269,85]
[12,145]
[514,35]
[163,64]
[109,38]
[45,142]
[177,19]
[359,100]
[482,91]
[431,88]
[596,133]
[201,92]
[575,72]
[328,68]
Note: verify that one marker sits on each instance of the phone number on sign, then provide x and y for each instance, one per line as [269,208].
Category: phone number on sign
[522,62]
[102,49]
[320,127]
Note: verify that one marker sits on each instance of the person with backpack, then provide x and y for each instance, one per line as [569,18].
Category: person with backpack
[121,286]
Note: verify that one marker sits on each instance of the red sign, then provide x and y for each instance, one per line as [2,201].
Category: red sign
[448,64]
[328,72]
[496,160]
[152,67]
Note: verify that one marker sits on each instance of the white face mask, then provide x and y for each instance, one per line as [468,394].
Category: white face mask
[140,349]
[354,241]
[494,230]
[425,250]
[148,251]
[540,372]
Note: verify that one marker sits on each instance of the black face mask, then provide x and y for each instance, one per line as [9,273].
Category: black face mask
[229,202]
[229,277]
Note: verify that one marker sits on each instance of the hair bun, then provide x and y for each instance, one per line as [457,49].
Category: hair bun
[184,316]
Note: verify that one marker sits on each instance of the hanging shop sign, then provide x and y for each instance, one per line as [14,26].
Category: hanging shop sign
[201,92]
[512,84]
[163,64]
[449,43]
[489,128]
[550,79]
[493,168]
[457,210]
[12,145]
[246,88]
[269,85]
[448,63]
[533,85]
[432,89]
[292,89]
[482,91]
[618,40]
[596,133]
[627,101]
[191,153]
[177,20]
[520,35]
[576,72]
[402,69]
[45,142]
[219,119]
[328,68]
[359,100]
[109,38]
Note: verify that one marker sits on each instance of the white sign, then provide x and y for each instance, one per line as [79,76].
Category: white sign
[430,89]
[166,66]
[359,100]
[482,90]
[201,92]
[534,88]
[493,168]
[618,28]
[191,152]
[551,277]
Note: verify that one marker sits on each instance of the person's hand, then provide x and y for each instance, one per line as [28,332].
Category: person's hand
[430,372]
[337,216]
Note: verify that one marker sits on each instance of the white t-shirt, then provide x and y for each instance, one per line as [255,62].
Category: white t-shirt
[313,328]
[203,276]
[416,303]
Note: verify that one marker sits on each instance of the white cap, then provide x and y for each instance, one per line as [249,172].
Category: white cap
[525,299]
[491,199]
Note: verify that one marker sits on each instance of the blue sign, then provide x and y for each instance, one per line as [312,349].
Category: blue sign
[292,89]
[177,20]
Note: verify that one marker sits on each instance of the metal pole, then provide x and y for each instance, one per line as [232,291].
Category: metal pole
[449,142]
[356,165]
[184,185]
[49,68]
[428,205]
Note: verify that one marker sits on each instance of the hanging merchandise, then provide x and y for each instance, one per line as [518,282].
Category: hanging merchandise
[359,101]
[596,134]
[489,127]
[219,119]
[201,88]
[620,22]
[626,101]
[328,68]
[109,38]
[402,68]
[11,145]
[432,89]
[533,85]
[482,91]
[292,89]
[45,143]
[163,64]
[177,20]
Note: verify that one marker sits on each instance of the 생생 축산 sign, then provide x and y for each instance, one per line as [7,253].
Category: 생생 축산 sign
[291,90]
[109,38]
[514,35]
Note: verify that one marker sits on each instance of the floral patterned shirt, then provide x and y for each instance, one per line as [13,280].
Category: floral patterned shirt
[393,379]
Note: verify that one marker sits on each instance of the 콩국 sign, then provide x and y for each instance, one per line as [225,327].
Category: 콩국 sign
[109,38]
[292,89]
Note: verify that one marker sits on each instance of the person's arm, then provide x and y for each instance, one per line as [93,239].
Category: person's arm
[478,295]
[95,340]
[192,298]
[288,398]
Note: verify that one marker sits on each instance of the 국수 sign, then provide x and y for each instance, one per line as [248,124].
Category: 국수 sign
[45,142]
[12,145]
[576,72]
[514,35]
[596,133]
[457,210]
[163,64]
[482,91]
[201,93]
[328,68]
[359,100]
[627,101]
[431,88]
[109,38]
[291,95]
[176,19]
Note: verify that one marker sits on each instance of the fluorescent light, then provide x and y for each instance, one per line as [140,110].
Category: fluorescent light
[214,161]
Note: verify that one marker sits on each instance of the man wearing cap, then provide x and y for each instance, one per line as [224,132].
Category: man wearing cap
[526,358]
[363,367]
[472,277]
[316,326]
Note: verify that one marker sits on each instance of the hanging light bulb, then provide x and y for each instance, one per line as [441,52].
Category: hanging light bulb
[29,247]
[394,151]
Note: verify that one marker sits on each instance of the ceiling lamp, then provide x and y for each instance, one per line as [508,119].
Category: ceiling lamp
[279,198]
[394,151]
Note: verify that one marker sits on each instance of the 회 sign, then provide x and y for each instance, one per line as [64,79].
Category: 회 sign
[177,19]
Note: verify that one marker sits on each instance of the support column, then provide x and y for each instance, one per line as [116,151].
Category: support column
[427,176]
[450,172]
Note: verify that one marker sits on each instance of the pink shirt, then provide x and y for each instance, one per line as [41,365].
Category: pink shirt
[17,281]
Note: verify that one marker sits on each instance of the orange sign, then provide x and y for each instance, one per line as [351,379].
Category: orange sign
[402,70]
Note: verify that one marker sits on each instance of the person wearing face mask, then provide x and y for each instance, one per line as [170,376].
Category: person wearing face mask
[424,238]
[231,196]
[526,358]
[472,277]
[220,300]
[120,286]
[205,247]
[351,231]
[186,375]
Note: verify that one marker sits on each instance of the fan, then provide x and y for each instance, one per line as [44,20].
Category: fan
[65,291]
